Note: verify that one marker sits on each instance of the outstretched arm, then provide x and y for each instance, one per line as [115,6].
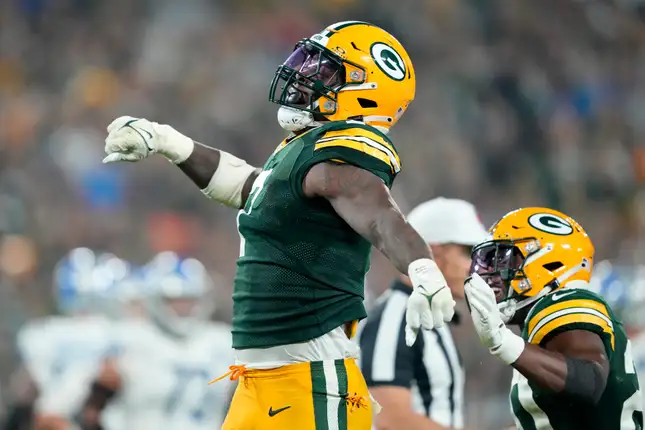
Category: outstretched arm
[365,203]
[221,176]
[202,165]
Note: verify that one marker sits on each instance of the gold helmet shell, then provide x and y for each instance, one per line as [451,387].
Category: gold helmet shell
[531,252]
[351,70]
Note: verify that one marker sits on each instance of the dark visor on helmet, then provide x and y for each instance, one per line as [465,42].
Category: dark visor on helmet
[310,72]
[498,263]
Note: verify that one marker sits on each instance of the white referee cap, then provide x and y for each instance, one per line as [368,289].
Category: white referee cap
[440,221]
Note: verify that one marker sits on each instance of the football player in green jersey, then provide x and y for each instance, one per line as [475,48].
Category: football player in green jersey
[573,366]
[307,222]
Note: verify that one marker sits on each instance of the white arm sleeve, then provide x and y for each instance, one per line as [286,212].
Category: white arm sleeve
[228,180]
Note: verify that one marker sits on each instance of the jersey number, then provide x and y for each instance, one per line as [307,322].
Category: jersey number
[257,190]
[184,395]
[255,197]
[632,414]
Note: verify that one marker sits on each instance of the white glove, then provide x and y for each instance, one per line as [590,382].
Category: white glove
[500,341]
[431,303]
[133,139]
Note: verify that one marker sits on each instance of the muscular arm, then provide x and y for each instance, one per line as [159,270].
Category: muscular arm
[364,202]
[557,368]
[397,410]
[202,164]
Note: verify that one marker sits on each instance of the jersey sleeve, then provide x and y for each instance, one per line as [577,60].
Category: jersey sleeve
[358,145]
[566,310]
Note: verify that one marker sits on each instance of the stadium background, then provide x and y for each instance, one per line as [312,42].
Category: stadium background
[518,103]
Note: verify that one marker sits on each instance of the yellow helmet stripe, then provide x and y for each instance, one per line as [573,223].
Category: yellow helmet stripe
[340,25]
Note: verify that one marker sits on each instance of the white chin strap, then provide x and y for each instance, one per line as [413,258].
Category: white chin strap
[293,119]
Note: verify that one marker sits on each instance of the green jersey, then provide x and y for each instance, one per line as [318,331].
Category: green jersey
[302,268]
[619,408]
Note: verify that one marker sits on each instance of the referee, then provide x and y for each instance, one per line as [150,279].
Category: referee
[422,387]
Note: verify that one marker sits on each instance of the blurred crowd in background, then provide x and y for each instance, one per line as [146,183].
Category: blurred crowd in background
[519,103]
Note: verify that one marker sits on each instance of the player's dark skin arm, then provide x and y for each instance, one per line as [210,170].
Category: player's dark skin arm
[364,202]
[551,367]
[202,164]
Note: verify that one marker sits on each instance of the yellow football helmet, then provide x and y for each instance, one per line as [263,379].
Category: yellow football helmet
[529,253]
[351,70]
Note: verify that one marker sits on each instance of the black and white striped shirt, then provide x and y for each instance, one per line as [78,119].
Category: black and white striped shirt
[431,368]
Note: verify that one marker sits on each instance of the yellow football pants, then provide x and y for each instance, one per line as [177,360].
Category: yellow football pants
[321,395]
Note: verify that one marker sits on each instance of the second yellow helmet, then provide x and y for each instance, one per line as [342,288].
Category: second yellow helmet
[531,252]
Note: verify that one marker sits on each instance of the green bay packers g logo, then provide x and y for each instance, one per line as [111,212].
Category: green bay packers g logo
[550,223]
[388,60]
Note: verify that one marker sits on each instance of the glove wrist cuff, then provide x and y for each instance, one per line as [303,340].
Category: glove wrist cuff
[511,347]
[172,144]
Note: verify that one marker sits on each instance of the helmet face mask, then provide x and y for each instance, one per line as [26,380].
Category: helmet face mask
[498,263]
[311,73]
